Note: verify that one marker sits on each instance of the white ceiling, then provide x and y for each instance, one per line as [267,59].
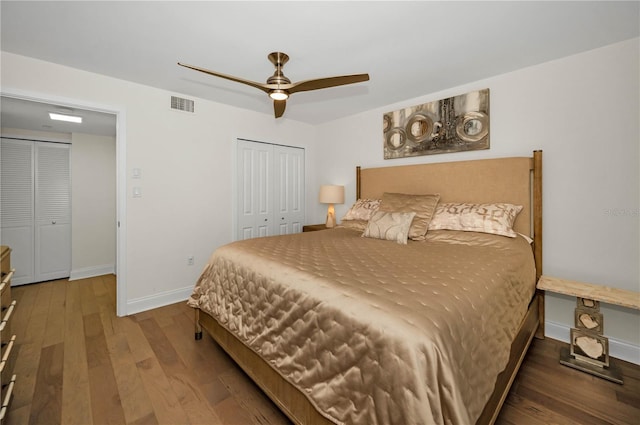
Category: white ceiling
[408,48]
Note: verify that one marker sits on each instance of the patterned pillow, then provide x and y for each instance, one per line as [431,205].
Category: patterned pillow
[391,226]
[486,218]
[423,205]
[362,209]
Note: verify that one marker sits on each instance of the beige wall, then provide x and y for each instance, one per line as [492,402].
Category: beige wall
[93,211]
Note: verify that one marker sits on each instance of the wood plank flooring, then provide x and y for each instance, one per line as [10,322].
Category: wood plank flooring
[79,364]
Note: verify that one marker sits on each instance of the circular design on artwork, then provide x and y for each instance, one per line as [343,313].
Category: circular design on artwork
[395,138]
[419,127]
[472,126]
[386,123]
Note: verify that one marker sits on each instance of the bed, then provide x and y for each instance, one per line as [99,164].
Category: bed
[339,328]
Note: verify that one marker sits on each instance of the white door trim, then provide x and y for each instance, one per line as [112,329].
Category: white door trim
[121,173]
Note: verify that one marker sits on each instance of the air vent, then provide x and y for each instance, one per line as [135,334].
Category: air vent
[181,104]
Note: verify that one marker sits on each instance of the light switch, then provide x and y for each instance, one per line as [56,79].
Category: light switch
[136,173]
[137,192]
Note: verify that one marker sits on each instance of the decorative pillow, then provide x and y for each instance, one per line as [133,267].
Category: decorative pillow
[423,205]
[358,225]
[486,218]
[391,226]
[362,209]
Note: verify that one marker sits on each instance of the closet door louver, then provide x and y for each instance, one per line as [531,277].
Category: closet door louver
[17,207]
[53,211]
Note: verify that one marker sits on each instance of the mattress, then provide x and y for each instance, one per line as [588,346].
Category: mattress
[371,331]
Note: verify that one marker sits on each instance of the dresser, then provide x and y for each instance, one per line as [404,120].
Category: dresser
[7,338]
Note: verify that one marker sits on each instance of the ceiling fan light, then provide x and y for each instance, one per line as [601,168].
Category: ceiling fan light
[278,94]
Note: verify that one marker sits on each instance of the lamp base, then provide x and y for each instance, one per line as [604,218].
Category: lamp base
[331,217]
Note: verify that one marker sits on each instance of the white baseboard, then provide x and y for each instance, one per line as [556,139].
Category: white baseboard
[619,349]
[158,300]
[87,272]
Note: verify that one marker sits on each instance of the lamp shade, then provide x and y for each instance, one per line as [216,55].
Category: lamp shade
[331,194]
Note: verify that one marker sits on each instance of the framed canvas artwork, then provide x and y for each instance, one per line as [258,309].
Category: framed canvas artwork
[455,124]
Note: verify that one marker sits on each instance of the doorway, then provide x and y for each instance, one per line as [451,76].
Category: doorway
[28,114]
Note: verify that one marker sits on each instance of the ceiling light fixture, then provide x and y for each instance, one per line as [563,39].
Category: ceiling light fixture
[278,94]
[67,118]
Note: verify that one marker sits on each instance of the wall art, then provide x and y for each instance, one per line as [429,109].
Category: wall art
[455,124]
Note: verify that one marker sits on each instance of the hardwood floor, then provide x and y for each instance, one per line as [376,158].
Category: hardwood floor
[79,364]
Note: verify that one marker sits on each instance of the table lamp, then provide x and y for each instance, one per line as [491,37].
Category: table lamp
[331,194]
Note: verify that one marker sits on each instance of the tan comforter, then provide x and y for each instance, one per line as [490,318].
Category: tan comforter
[374,332]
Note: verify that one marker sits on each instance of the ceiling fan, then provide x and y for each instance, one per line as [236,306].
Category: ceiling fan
[279,87]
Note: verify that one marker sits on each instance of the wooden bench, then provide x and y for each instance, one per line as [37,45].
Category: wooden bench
[589,348]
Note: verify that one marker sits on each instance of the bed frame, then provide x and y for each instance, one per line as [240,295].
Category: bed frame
[514,180]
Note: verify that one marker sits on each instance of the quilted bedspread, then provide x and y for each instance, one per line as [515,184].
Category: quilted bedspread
[371,331]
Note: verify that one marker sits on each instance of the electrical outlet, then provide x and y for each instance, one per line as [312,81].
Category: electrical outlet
[190,260]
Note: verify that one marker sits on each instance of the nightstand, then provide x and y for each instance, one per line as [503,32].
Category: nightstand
[314,227]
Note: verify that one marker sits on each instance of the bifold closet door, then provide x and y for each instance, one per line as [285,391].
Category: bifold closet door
[255,190]
[288,189]
[270,183]
[36,209]
[52,211]
[17,208]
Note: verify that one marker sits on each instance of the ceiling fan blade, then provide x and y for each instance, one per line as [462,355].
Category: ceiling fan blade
[264,87]
[279,107]
[323,83]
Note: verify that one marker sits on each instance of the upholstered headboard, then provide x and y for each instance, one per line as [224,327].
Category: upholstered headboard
[515,180]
